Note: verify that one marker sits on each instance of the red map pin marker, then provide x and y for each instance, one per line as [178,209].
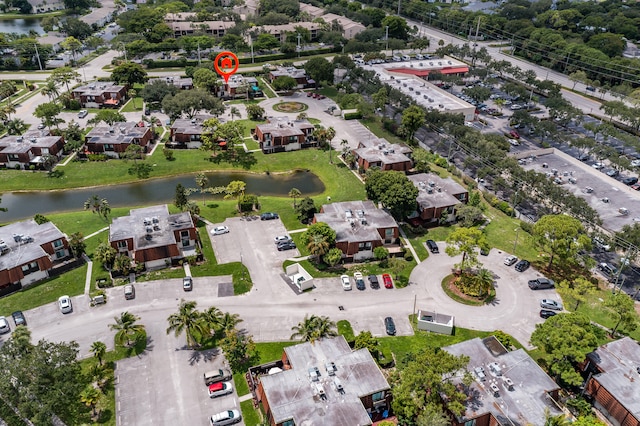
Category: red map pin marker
[226,64]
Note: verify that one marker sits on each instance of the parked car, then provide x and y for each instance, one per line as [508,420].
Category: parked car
[636,186]
[4,326]
[129,292]
[269,216]
[64,302]
[551,304]
[390,326]
[215,376]
[83,113]
[219,230]
[591,88]
[224,418]
[282,239]
[514,134]
[187,284]
[600,243]
[598,165]
[630,180]
[514,142]
[541,283]
[545,313]
[220,389]
[286,245]
[607,268]
[432,246]
[386,279]
[373,282]
[346,283]
[18,318]
[612,173]
[41,126]
[510,260]
[359,280]
[522,266]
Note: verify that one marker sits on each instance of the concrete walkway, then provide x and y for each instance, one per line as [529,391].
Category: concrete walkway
[87,280]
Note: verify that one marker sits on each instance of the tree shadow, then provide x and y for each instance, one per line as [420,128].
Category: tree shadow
[207,355]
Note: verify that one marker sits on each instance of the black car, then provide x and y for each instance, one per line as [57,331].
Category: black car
[373,282]
[18,318]
[287,245]
[630,180]
[432,246]
[390,326]
[522,265]
[269,216]
[546,313]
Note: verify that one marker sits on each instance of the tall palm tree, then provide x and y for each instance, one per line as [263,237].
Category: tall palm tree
[313,328]
[90,397]
[202,181]
[559,420]
[51,90]
[126,328]
[483,281]
[16,126]
[98,349]
[234,112]
[228,322]
[189,321]
[318,246]
[9,109]
[294,193]
[212,318]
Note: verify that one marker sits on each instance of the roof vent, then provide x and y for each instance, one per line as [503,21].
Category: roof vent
[314,374]
[147,221]
[432,183]
[156,219]
[156,228]
[495,368]
[494,388]
[33,140]
[338,385]
[331,368]
[429,190]
[149,229]
[439,189]
[509,383]
[320,391]
[19,139]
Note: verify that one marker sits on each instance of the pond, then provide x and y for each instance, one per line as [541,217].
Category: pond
[21,25]
[24,205]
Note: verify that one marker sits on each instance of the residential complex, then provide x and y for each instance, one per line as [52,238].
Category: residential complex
[379,153]
[100,94]
[437,196]
[114,140]
[322,383]
[283,134]
[153,237]
[30,149]
[29,252]
[298,74]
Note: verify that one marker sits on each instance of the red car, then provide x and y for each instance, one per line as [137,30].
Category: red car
[309,94]
[386,278]
[514,134]
[636,186]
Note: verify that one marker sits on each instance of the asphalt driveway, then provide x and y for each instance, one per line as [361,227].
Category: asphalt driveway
[515,310]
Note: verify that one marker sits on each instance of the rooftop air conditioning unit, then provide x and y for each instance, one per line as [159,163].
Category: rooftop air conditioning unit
[156,228]
[149,229]
[147,221]
[338,385]
[17,237]
[331,368]
[156,219]
[19,139]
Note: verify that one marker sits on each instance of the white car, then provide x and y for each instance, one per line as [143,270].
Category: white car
[64,302]
[598,165]
[550,304]
[346,282]
[228,417]
[282,239]
[219,230]
[514,142]
[4,326]
[510,260]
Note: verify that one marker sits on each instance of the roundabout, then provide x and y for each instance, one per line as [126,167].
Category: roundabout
[290,106]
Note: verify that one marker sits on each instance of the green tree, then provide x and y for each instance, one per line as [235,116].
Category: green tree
[380,99]
[126,328]
[50,90]
[77,244]
[99,349]
[284,82]
[469,215]
[48,113]
[98,205]
[141,19]
[122,264]
[425,379]
[38,218]
[202,181]
[156,90]
[227,322]
[380,253]
[412,119]
[313,328]
[180,200]
[397,265]
[332,256]
[319,69]
[622,309]
[73,45]
[77,4]
[255,112]
[306,209]
[188,321]
[17,126]
[398,27]
[239,350]
[566,340]
[109,116]
[465,241]
[105,254]
[562,236]
[63,75]
[394,190]
[206,79]
[578,290]
[319,229]
[366,340]
[295,194]
[90,397]
[190,102]
[129,73]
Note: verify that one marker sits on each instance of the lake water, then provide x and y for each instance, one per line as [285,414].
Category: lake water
[21,26]
[24,205]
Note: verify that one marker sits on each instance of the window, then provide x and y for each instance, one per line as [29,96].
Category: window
[108,147]
[378,396]
[14,157]
[288,423]
[44,151]
[364,246]
[122,244]
[57,243]
[184,234]
[463,196]
[30,268]
[470,422]
[60,254]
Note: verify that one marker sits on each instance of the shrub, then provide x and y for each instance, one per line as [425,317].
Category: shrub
[168,154]
[385,359]
[352,116]
[526,227]
[408,256]
[97,157]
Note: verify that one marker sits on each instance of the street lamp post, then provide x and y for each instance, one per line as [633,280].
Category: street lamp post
[386,37]
[515,244]
[299,44]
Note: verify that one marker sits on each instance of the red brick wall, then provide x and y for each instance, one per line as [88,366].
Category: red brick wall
[611,404]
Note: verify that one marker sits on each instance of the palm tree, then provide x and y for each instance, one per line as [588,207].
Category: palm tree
[126,328]
[212,318]
[294,193]
[90,396]
[318,246]
[51,90]
[131,93]
[550,420]
[202,181]
[233,112]
[98,205]
[189,321]
[98,349]
[228,322]
[9,109]
[16,126]
[313,328]
[483,281]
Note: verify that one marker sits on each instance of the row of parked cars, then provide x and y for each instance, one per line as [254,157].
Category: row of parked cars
[360,285]
[219,384]
[549,306]
[18,319]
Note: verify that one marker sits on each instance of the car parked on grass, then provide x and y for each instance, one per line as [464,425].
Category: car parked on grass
[225,418]
[551,304]
[187,284]
[541,283]
[269,216]
[386,279]
[510,260]
[220,389]
[129,292]
[219,230]
[390,326]
[64,303]
[545,313]
[346,282]
[373,282]
[359,280]
[18,318]
[286,245]
[522,265]
[432,246]
[4,326]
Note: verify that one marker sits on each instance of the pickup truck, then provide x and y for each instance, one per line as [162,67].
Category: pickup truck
[541,283]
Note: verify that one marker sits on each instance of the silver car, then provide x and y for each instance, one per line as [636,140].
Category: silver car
[4,326]
[228,417]
[64,302]
[510,260]
[551,304]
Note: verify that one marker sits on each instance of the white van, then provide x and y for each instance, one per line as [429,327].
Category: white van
[397,59]
[419,56]
[406,57]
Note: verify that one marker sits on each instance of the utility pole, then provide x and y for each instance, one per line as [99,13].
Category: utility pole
[398,7]
[477,29]
[386,37]
[199,60]
[299,45]
[38,56]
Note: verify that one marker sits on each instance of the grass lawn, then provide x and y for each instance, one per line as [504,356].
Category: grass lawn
[265,89]
[375,125]
[249,124]
[272,351]
[251,144]
[70,283]
[129,106]
[250,415]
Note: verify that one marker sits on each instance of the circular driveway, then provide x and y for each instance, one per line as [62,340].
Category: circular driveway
[515,310]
